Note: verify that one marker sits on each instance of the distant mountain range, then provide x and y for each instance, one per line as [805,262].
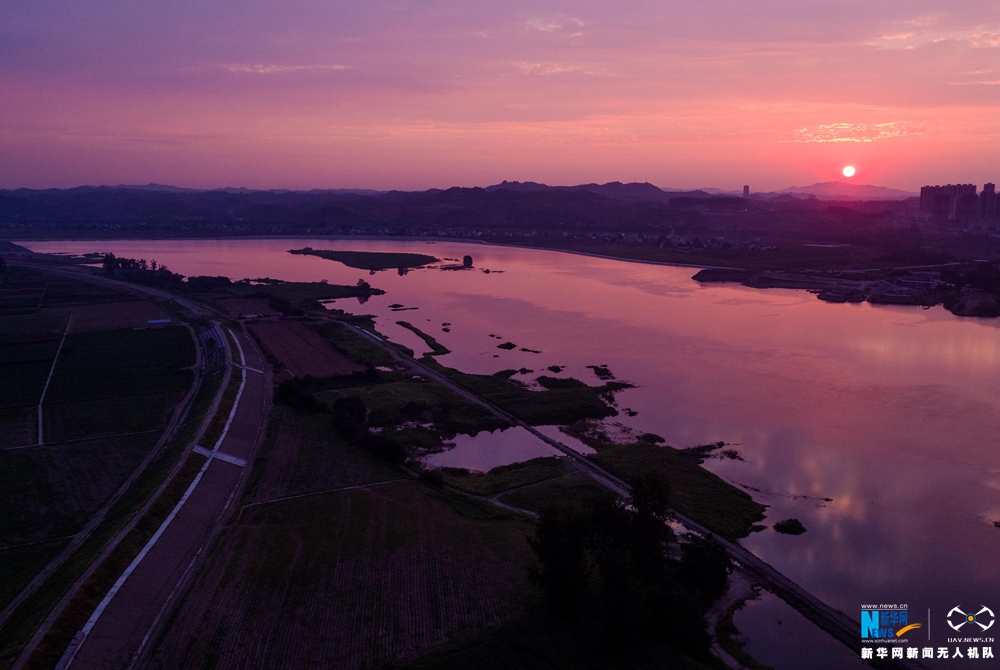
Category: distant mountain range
[632,192]
[635,191]
[838,190]
[165,188]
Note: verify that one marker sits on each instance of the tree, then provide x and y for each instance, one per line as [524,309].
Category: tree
[3,265]
[110,263]
[349,416]
[560,543]
[705,566]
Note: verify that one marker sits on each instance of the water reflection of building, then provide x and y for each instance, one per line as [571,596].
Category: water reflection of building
[959,204]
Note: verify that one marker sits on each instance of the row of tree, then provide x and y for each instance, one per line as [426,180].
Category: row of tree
[615,570]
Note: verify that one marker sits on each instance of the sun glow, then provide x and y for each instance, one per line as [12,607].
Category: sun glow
[849,171]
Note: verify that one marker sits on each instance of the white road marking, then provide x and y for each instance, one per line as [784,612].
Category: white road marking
[247,367]
[228,458]
[81,637]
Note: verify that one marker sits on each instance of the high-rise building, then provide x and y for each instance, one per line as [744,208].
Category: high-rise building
[989,203]
[746,191]
[954,203]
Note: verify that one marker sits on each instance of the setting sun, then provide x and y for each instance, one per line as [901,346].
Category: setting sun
[849,171]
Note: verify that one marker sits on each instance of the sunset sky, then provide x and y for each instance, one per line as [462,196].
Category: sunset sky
[412,95]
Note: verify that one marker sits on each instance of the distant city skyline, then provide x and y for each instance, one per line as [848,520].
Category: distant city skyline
[386,95]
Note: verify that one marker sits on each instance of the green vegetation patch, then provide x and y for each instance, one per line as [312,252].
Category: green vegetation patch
[573,489]
[505,477]
[370,260]
[564,401]
[113,364]
[417,402]
[696,492]
[437,349]
[21,564]
[218,423]
[354,346]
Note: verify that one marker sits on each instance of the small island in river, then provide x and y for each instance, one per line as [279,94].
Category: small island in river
[370,260]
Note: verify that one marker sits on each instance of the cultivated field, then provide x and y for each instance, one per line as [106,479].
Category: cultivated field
[349,580]
[301,351]
[239,307]
[110,396]
[303,455]
[49,491]
[114,315]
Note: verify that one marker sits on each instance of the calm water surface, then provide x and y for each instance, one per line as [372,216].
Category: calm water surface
[888,412]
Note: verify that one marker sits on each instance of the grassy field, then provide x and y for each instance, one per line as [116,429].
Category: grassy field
[20,565]
[370,260]
[395,402]
[571,489]
[354,346]
[695,492]
[564,401]
[506,477]
[218,423]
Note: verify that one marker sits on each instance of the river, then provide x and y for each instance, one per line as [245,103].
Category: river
[876,426]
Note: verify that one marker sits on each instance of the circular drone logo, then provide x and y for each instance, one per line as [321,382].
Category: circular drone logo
[983,618]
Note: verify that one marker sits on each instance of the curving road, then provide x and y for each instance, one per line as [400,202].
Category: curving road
[132,612]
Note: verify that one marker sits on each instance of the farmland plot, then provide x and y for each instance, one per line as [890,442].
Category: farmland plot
[18,426]
[48,491]
[108,417]
[49,321]
[348,580]
[302,351]
[119,363]
[114,315]
[239,307]
[303,454]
